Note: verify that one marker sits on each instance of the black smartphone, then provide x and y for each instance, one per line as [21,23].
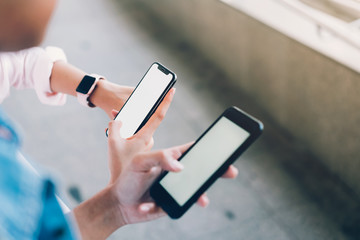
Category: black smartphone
[205,161]
[145,99]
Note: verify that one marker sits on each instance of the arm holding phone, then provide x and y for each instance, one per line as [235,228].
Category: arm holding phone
[133,169]
[48,73]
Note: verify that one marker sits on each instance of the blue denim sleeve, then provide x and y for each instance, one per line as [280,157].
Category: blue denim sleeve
[28,206]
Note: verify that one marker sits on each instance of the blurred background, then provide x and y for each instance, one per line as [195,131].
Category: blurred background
[294,64]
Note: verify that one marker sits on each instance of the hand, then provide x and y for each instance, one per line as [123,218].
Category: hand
[133,168]
[120,203]
[109,96]
[133,179]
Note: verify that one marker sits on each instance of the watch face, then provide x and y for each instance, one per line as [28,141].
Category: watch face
[85,84]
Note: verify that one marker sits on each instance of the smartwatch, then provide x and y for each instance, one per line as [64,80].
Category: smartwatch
[86,87]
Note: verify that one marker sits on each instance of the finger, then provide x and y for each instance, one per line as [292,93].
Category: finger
[164,159]
[183,148]
[231,172]
[148,130]
[114,113]
[203,200]
[167,159]
[179,150]
[114,131]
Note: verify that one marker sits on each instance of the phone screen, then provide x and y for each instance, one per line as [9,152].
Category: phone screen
[143,99]
[204,158]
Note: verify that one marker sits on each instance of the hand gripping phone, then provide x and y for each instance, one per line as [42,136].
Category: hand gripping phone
[205,161]
[145,99]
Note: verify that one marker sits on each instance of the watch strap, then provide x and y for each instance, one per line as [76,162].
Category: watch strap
[86,87]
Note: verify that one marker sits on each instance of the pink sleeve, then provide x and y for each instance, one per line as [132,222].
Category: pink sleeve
[31,68]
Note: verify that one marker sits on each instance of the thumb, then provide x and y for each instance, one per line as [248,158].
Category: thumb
[114,113]
[114,130]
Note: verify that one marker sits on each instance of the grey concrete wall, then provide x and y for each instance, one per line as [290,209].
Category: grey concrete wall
[312,97]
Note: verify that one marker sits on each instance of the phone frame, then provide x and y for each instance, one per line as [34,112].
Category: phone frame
[240,118]
[163,69]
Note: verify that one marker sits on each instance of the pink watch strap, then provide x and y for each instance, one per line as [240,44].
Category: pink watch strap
[82,98]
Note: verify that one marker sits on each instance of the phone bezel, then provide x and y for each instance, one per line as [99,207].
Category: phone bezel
[162,68]
[243,120]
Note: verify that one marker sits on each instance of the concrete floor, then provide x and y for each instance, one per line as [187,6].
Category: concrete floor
[282,192]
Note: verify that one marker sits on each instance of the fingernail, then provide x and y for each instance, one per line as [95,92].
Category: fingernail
[173,91]
[177,165]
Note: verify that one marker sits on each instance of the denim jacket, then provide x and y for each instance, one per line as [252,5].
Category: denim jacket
[28,206]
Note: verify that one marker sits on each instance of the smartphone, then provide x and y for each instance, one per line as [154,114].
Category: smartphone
[145,99]
[205,161]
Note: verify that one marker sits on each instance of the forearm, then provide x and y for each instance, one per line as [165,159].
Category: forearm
[65,78]
[98,217]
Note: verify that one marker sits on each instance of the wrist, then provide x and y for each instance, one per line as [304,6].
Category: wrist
[109,96]
[86,88]
[100,95]
[100,216]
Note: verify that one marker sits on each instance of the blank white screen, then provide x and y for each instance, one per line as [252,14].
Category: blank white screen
[142,100]
[204,159]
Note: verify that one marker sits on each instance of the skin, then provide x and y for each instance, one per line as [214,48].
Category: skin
[133,166]
[108,96]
